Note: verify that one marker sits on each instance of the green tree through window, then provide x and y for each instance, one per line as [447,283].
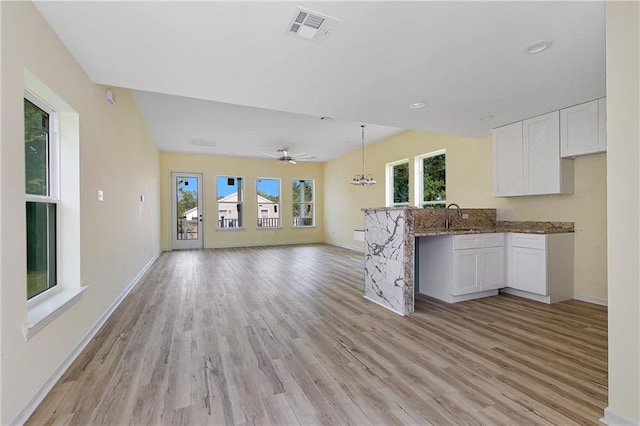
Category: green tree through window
[401,183]
[434,180]
[302,195]
[41,220]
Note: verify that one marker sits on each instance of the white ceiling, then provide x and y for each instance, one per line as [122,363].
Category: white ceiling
[195,67]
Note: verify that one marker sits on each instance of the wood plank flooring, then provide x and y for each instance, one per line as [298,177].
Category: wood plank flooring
[282,335]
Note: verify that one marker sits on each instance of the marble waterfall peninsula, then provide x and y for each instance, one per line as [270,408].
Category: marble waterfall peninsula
[391,235]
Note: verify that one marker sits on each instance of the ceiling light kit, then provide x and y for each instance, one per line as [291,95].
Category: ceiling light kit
[537,47]
[286,158]
[363,179]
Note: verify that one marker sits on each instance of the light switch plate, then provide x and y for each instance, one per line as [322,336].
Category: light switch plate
[100,195]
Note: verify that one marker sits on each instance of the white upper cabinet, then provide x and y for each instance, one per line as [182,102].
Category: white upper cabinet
[541,145]
[526,158]
[583,129]
[507,160]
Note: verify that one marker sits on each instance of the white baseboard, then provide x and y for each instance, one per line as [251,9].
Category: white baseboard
[348,247]
[591,299]
[612,418]
[531,296]
[23,415]
[243,245]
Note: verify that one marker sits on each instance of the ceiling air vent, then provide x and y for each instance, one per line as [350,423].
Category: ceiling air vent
[202,142]
[310,25]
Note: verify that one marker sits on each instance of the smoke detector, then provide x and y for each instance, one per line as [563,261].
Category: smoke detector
[310,25]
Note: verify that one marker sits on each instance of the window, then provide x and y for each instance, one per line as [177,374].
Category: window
[431,180]
[397,183]
[268,199]
[303,210]
[230,196]
[41,183]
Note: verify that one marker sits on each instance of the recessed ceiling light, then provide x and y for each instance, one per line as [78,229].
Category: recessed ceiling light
[247,132]
[417,105]
[486,118]
[537,47]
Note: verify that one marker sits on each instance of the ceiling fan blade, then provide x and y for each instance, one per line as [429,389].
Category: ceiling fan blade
[270,155]
[292,161]
[299,155]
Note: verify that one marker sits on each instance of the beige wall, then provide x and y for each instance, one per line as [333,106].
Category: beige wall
[469,175]
[623,137]
[250,169]
[118,237]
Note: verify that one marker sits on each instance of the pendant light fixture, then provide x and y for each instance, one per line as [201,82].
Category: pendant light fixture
[363,179]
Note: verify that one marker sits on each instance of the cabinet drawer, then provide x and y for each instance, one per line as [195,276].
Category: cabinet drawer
[469,241]
[492,240]
[534,241]
[462,242]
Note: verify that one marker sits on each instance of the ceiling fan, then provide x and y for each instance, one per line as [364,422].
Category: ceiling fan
[285,157]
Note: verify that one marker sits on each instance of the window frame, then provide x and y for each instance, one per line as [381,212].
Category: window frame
[389,183]
[419,180]
[240,202]
[52,189]
[302,203]
[277,206]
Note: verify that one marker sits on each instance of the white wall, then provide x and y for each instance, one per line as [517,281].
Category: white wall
[623,138]
[118,237]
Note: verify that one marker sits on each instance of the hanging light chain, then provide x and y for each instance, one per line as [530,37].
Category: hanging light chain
[363,179]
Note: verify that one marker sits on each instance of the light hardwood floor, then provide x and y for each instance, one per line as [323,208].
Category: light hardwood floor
[282,335]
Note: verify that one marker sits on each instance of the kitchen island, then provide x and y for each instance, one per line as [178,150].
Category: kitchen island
[390,239]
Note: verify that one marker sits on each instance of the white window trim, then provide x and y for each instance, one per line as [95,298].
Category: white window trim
[46,306]
[419,179]
[313,204]
[388,183]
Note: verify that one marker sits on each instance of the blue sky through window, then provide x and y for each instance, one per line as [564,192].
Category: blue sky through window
[224,188]
[187,184]
[269,186]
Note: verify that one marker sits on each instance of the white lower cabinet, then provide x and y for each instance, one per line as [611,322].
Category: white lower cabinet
[540,267]
[461,267]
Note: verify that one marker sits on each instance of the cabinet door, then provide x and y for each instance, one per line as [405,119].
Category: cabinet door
[528,270]
[466,278]
[602,124]
[579,130]
[541,145]
[492,268]
[507,160]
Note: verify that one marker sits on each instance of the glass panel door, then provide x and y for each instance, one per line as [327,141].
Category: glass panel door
[187,223]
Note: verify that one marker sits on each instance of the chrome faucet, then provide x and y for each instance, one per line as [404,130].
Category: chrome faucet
[447,221]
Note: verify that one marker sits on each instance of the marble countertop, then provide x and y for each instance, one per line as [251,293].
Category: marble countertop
[528,227]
